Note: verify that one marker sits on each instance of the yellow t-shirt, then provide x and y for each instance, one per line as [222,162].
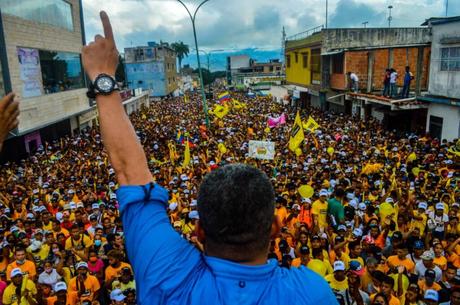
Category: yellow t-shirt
[386,209]
[91,286]
[10,297]
[320,209]
[420,224]
[336,285]
[318,266]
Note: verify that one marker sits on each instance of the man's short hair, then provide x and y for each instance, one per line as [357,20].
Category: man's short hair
[389,280]
[236,208]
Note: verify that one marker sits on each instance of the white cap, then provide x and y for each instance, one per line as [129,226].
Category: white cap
[358,232]
[339,266]
[353,203]
[193,215]
[323,192]
[389,200]
[35,245]
[111,184]
[439,206]
[296,207]
[81,265]
[432,295]
[113,196]
[193,203]
[422,205]
[341,227]
[183,177]
[15,272]
[60,286]
[117,295]
[111,171]
[95,206]
[362,206]
[305,200]
[73,205]
[173,206]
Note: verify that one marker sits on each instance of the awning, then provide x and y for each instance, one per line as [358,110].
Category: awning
[331,53]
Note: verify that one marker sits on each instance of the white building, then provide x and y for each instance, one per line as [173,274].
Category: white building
[443,118]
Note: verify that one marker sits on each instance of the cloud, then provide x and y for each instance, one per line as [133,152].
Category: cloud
[230,24]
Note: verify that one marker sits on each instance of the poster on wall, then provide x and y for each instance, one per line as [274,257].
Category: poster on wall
[262,150]
[30,73]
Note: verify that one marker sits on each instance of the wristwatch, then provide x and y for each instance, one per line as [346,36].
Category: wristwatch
[103,84]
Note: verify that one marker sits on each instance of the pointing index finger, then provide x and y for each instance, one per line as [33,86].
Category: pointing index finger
[107,26]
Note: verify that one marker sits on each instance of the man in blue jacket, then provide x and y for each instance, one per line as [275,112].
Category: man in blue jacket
[235,206]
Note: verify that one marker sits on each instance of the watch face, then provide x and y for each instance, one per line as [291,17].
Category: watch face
[104,84]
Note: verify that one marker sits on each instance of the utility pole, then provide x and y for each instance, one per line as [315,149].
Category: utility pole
[327,4]
[389,16]
[192,18]
[447,6]
[365,23]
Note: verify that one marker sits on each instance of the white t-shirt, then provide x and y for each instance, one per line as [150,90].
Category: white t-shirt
[437,221]
[393,77]
[420,271]
[354,77]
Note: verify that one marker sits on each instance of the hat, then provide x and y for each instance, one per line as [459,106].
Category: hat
[356,268]
[113,196]
[439,206]
[81,265]
[422,205]
[339,266]
[95,206]
[430,273]
[418,244]
[73,205]
[93,217]
[173,206]
[15,272]
[177,224]
[117,295]
[358,232]
[323,192]
[304,250]
[296,207]
[427,256]
[111,184]
[193,215]
[389,200]
[60,286]
[432,295]
[341,228]
[305,200]
[315,237]
[193,203]
[362,206]
[397,235]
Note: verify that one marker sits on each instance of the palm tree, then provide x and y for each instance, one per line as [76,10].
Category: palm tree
[181,50]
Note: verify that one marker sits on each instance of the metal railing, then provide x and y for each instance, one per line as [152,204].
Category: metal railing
[306,33]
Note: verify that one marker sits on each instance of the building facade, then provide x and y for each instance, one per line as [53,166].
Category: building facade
[41,63]
[443,118]
[153,68]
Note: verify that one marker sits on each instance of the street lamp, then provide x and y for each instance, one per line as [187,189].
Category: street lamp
[192,18]
[389,16]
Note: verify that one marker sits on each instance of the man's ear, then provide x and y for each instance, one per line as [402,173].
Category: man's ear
[200,232]
[276,227]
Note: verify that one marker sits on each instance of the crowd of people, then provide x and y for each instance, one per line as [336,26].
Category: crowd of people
[381,223]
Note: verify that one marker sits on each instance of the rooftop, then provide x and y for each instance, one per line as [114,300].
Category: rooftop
[440,20]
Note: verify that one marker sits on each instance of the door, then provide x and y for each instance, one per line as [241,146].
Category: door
[436,126]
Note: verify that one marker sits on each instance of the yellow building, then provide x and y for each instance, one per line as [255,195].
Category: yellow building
[303,65]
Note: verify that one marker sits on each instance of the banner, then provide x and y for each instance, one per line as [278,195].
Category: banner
[30,72]
[275,122]
[262,150]
[296,135]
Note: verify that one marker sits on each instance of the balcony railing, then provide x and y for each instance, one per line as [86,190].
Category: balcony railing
[306,33]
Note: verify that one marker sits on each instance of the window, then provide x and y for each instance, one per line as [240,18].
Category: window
[337,63]
[53,12]
[450,59]
[288,61]
[316,60]
[305,60]
[436,126]
[61,71]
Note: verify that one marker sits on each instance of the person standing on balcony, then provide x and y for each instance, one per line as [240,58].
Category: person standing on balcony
[393,78]
[353,81]
[386,83]
[408,77]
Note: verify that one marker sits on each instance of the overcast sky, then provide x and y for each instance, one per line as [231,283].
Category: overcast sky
[234,24]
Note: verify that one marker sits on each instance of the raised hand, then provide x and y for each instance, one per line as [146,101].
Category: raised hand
[9,112]
[101,55]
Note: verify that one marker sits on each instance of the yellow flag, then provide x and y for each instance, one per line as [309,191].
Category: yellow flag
[222,148]
[186,154]
[238,105]
[311,125]
[185,99]
[221,111]
[172,152]
[296,136]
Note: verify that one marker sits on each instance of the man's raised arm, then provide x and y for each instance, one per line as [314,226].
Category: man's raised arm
[120,140]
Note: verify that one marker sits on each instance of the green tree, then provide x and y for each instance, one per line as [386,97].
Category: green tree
[207,76]
[181,49]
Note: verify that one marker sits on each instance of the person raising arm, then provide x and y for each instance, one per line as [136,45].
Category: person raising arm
[9,112]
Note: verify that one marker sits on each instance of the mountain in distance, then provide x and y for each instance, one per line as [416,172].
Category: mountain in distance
[218,59]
